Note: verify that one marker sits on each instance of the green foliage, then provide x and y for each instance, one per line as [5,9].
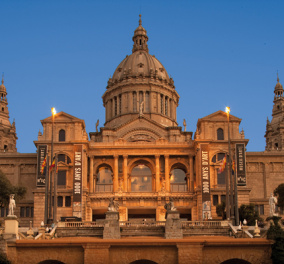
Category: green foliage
[6,188]
[248,212]
[277,234]
[3,259]
[279,192]
[221,209]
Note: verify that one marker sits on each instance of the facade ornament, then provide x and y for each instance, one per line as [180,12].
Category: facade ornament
[12,205]
[170,205]
[97,124]
[184,124]
[113,206]
[272,204]
[141,108]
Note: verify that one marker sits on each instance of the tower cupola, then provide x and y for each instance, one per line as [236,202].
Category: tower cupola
[140,38]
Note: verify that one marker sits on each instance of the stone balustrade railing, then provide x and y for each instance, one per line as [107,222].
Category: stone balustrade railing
[81,224]
[142,223]
[204,223]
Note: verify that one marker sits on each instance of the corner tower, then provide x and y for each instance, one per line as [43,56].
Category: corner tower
[275,129]
[8,137]
[140,86]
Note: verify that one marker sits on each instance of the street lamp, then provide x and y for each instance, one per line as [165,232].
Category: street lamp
[230,169]
[53,111]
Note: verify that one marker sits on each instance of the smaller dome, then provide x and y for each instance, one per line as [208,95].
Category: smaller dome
[2,86]
[278,86]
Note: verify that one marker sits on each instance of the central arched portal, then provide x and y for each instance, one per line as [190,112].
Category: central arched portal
[141,179]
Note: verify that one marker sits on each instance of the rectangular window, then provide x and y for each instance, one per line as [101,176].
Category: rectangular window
[119,104]
[60,201]
[215,200]
[27,211]
[162,104]
[22,212]
[61,178]
[134,102]
[67,201]
[261,209]
[115,106]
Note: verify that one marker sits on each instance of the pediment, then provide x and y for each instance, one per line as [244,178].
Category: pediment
[219,116]
[63,117]
[141,130]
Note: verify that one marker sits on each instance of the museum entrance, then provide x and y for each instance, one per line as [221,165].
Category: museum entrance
[141,214]
[185,214]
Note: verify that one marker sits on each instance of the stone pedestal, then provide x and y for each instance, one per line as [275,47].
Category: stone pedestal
[111,228]
[173,228]
[11,227]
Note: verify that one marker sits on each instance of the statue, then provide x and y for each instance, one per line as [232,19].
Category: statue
[141,107]
[113,206]
[12,204]
[97,124]
[170,205]
[184,124]
[272,204]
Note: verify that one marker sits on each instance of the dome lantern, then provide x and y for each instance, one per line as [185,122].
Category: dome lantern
[140,38]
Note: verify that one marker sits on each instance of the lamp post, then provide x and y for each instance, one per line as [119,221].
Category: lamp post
[231,207]
[53,111]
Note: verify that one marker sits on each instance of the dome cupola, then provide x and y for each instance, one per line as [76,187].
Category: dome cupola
[140,84]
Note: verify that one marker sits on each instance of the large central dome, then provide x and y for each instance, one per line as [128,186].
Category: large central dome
[139,84]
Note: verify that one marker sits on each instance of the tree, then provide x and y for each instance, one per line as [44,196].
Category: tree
[248,212]
[276,233]
[221,210]
[279,192]
[6,188]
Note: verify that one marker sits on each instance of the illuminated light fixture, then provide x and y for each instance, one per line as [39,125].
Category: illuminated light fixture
[53,111]
[228,110]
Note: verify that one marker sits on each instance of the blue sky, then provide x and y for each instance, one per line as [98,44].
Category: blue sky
[61,53]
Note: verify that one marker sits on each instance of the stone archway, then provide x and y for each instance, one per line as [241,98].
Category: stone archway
[51,261]
[235,261]
[143,261]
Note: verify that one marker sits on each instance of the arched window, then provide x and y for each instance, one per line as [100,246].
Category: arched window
[220,134]
[221,174]
[61,135]
[141,179]
[104,180]
[178,180]
[64,158]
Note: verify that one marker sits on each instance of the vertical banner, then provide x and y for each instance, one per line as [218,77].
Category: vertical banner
[205,181]
[77,181]
[41,154]
[241,164]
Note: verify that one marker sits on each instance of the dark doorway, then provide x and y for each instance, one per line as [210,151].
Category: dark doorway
[149,214]
[50,261]
[143,261]
[235,261]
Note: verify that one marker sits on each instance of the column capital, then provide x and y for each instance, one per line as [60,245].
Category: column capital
[157,156]
[125,156]
[167,156]
[115,156]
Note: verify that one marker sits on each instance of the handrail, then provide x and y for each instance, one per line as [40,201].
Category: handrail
[80,224]
[204,223]
[141,223]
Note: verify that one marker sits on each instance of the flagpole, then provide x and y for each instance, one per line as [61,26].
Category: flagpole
[227,190]
[237,220]
[230,168]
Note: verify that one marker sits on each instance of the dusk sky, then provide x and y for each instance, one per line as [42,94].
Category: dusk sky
[219,53]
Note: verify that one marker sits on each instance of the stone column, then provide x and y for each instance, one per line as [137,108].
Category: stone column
[125,172]
[167,170]
[95,181]
[91,189]
[191,174]
[157,172]
[115,174]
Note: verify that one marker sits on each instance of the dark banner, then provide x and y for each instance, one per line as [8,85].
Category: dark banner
[241,164]
[41,154]
[77,181]
[205,181]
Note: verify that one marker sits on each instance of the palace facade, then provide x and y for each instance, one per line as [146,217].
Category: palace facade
[141,157]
